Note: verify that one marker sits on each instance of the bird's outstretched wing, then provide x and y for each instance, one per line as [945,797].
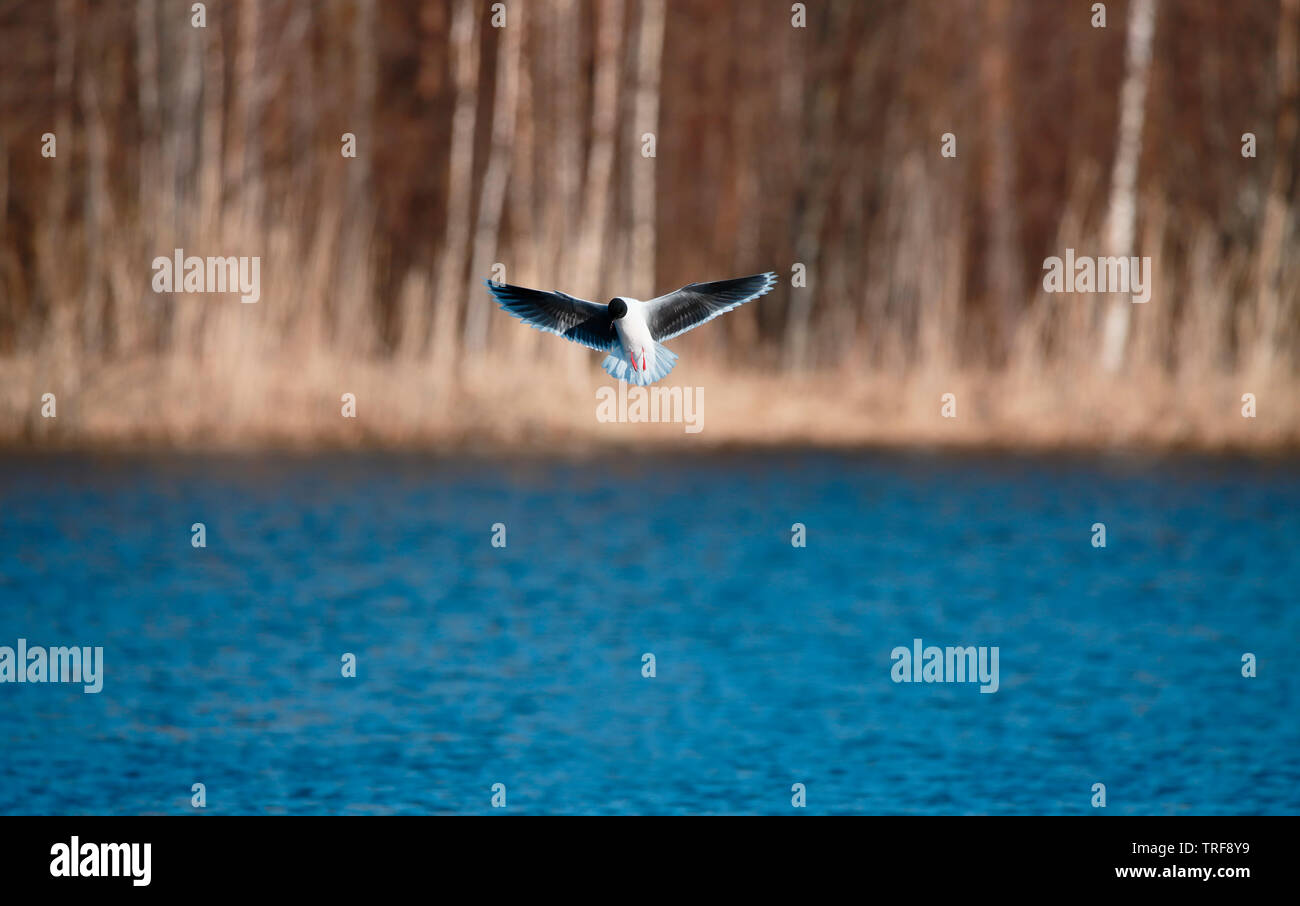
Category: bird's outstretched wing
[574,319]
[692,305]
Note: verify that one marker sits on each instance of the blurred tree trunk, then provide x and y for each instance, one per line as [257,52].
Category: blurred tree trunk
[1004,281]
[818,132]
[463,40]
[204,62]
[200,121]
[53,271]
[745,128]
[1273,232]
[1122,212]
[563,185]
[4,203]
[492,196]
[522,209]
[785,176]
[361,116]
[245,163]
[597,194]
[358,215]
[744,222]
[95,202]
[645,118]
[301,29]
[146,56]
[182,55]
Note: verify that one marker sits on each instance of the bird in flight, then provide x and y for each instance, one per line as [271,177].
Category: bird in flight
[631,331]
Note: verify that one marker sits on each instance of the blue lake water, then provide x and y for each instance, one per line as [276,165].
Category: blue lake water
[522,665]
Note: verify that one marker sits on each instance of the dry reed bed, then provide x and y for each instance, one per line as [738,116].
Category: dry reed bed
[552,405]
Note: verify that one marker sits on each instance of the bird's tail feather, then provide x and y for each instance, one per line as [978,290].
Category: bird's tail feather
[659,360]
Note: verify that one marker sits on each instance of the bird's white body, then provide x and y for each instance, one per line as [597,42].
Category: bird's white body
[644,360]
[634,332]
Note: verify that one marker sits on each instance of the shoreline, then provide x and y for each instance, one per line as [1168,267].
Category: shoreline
[558,446]
[555,407]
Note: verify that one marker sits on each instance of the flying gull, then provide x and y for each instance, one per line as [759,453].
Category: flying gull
[630,330]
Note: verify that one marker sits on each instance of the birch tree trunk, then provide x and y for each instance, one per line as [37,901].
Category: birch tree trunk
[1273,232]
[598,190]
[645,118]
[523,197]
[493,193]
[1122,212]
[464,37]
[564,183]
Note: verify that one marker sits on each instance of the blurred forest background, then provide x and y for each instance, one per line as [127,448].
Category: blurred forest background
[774,146]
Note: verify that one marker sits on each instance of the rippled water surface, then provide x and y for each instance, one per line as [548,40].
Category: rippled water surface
[523,665]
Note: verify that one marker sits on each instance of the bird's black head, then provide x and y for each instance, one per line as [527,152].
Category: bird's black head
[617,308]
